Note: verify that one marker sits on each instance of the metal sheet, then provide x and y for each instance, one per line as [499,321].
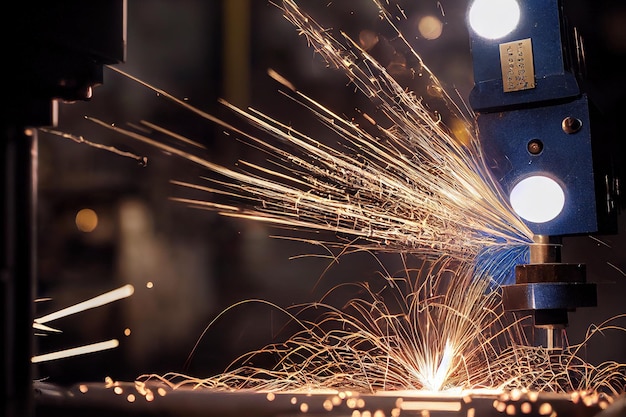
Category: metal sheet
[130,399]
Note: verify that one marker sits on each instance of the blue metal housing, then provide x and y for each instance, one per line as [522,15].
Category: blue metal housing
[566,158]
[509,120]
[540,21]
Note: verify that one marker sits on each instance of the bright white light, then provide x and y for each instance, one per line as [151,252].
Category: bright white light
[493,19]
[537,199]
[108,297]
[81,350]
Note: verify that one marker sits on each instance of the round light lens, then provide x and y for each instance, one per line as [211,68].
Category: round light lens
[537,199]
[493,19]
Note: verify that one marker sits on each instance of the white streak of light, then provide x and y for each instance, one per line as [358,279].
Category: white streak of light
[81,350]
[107,297]
[43,327]
[616,268]
[276,76]
[444,367]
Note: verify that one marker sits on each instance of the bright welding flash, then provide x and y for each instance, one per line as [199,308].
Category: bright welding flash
[537,199]
[493,19]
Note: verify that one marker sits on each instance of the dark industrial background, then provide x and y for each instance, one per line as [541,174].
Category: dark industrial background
[200,263]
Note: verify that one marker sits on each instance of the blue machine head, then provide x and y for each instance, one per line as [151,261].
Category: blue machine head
[534,121]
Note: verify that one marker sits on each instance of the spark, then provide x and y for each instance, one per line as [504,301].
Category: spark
[43,327]
[600,242]
[563,371]
[81,350]
[100,300]
[174,135]
[276,76]
[142,160]
[435,381]
[437,329]
[434,329]
[396,193]
[414,186]
[616,268]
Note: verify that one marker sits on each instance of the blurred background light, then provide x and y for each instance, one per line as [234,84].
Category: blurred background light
[86,220]
[430,27]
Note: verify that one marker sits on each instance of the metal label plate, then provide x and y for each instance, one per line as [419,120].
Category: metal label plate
[516,60]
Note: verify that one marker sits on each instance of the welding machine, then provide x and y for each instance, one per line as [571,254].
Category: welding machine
[545,144]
